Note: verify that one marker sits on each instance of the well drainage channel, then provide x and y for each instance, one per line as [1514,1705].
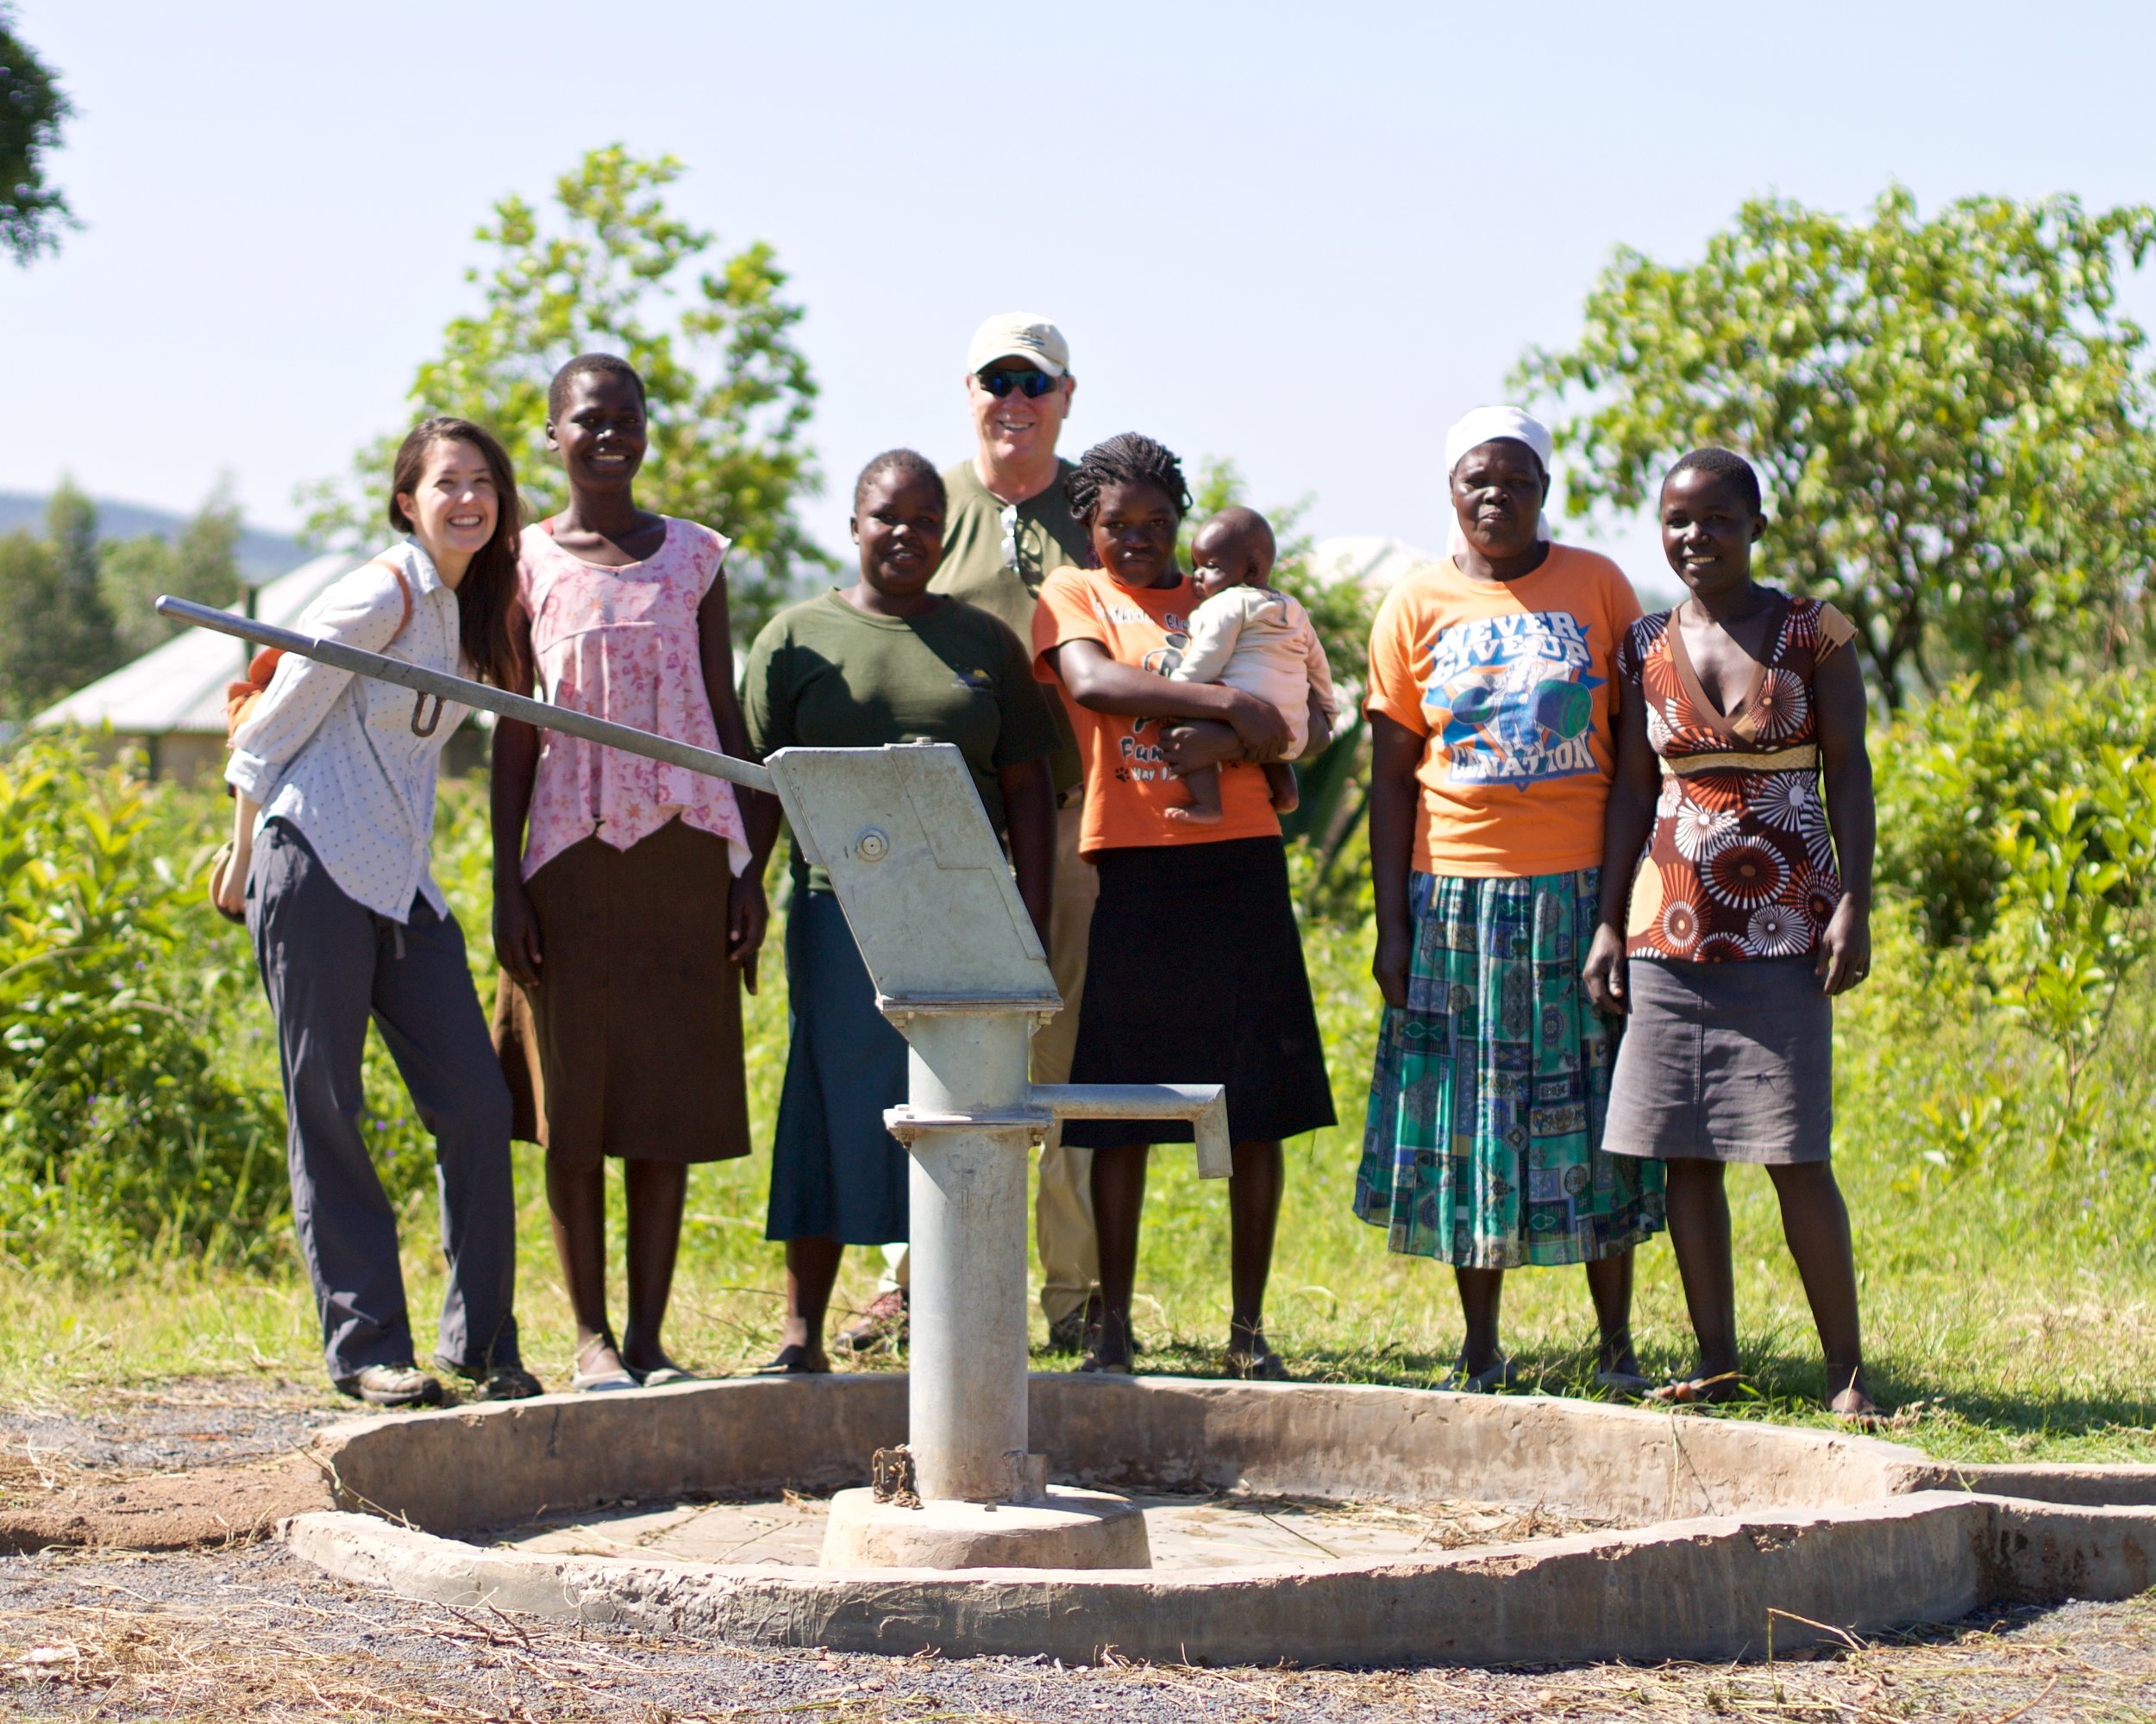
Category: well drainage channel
[1315,1524]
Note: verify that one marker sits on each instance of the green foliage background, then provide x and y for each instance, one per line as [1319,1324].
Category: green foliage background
[607,268]
[2005,1234]
[33,108]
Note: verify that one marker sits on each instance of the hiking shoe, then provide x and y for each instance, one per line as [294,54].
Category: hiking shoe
[1073,1331]
[507,1382]
[392,1386]
[882,1325]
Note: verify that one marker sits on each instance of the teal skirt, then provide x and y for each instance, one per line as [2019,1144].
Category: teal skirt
[1483,1142]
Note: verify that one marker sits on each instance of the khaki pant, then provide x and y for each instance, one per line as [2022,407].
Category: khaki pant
[1063,1208]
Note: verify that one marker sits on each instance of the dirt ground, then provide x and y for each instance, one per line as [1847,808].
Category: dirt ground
[143,1585]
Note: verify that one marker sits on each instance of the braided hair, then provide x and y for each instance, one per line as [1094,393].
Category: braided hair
[1130,459]
[909,462]
[1723,464]
[609,364]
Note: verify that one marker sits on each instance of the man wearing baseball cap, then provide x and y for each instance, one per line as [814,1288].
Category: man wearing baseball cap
[1008,526]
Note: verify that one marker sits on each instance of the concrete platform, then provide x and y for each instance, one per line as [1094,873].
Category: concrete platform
[1067,1529]
[1714,1533]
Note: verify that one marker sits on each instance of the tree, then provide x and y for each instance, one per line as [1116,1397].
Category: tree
[729,393]
[32,109]
[55,633]
[199,563]
[1950,416]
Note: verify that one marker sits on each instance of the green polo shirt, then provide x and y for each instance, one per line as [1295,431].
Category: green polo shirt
[975,568]
[825,675]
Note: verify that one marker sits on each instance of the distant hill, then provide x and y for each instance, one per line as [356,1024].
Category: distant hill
[262,555]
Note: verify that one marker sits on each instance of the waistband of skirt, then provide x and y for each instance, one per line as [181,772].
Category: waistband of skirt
[1802,758]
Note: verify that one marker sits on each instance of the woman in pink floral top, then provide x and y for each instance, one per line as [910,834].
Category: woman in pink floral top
[627,894]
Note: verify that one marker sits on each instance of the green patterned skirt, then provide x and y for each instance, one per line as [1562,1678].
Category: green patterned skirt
[1483,1146]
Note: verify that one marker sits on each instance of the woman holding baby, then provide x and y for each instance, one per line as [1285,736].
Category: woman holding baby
[1194,973]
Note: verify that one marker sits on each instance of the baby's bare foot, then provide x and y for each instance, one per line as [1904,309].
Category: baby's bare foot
[1194,815]
[1285,799]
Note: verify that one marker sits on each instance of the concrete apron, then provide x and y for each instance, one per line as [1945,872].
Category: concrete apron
[1766,1531]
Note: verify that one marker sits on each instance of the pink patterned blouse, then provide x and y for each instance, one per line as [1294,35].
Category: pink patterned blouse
[621,643]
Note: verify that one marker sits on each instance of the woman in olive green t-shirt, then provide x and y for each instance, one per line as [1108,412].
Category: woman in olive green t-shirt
[885,660]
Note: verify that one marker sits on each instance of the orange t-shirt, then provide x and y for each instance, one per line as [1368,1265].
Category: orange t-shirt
[1511,683]
[1128,785]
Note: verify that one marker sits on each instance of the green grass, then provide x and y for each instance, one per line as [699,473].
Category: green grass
[2009,1299]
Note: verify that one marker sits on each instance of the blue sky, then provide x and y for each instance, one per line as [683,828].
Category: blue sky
[1305,237]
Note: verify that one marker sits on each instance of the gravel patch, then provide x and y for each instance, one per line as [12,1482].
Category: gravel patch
[253,1631]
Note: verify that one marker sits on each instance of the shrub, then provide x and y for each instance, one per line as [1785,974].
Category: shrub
[124,1132]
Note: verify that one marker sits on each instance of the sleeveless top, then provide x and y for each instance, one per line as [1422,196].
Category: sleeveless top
[1741,864]
[621,643]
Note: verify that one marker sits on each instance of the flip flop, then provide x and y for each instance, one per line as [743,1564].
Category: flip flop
[1092,1363]
[792,1361]
[601,1383]
[667,1375]
[1626,1385]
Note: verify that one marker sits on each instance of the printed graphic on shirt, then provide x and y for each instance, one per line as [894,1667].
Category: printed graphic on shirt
[1509,698]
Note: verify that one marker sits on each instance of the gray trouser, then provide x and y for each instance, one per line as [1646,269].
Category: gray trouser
[328,963]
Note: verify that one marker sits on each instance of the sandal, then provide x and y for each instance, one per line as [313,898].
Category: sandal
[608,1380]
[1263,1366]
[1626,1385]
[1700,1391]
[1094,1362]
[794,1360]
[666,1376]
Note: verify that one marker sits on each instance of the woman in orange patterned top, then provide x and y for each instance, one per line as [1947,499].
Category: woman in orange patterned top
[1749,911]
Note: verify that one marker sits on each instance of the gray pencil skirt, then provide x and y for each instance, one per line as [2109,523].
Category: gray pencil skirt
[1724,1062]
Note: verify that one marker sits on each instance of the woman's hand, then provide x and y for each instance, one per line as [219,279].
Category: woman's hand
[1604,971]
[1844,951]
[748,915]
[231,893]
[1388,965]
[1259,727]
[516,931]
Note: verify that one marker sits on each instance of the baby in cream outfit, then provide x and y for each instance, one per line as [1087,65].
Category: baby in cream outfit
[1251,637]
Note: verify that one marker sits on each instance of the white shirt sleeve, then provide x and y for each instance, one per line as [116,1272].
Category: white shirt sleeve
[364,609]
[1215,626]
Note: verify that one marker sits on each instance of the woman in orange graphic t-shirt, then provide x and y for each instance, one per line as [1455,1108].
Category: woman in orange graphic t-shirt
[1194,972]
[1489,703]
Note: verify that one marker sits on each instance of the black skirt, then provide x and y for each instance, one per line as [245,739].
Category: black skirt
[1194,974]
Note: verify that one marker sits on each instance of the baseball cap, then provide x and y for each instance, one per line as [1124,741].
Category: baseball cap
[1019,334]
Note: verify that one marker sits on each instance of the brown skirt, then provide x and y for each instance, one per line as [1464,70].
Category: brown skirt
[1730,1061]
[630,1045]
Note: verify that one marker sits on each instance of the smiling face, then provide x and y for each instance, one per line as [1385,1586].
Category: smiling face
[1133,530]
[1709,530]
[1498,490]
[454,509]
[899,527]
[1014,429]
[600,432]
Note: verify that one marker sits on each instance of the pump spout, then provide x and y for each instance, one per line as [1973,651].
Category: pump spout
[1205,1104]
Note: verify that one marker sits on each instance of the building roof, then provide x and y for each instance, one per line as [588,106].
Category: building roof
[179,686]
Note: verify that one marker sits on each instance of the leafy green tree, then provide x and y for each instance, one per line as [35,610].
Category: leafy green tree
[199,563]
[608,269]
[1950,415]
[32,108]
[55,633]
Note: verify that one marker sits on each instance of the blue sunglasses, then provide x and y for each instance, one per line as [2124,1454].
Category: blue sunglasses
[1000,381]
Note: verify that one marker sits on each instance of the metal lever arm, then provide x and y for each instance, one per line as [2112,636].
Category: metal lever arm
[626,737]
[1205,1104]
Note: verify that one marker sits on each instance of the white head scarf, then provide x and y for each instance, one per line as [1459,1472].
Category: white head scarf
[1481,425]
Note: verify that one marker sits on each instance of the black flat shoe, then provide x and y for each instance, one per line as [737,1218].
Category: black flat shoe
[793,1360]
